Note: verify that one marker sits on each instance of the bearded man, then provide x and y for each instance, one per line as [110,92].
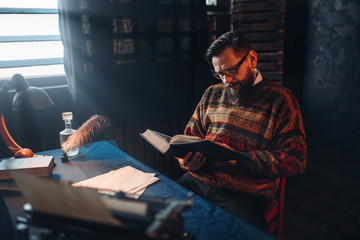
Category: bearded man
[253,116]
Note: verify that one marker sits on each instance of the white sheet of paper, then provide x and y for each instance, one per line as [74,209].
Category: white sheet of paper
[129,180]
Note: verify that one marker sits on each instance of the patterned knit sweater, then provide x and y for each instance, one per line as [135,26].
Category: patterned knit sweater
[265,125]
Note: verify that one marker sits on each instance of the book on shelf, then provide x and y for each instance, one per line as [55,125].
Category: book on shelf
[41,165]
[179,145]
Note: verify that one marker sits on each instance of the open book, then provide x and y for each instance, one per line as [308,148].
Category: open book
[38,165]
[180,145]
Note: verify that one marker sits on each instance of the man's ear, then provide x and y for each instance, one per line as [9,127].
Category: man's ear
[253,58]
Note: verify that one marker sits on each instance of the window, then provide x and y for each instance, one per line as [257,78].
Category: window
[29,39]
[211,2]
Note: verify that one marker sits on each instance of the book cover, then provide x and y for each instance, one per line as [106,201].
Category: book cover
[38,166]
[180,145]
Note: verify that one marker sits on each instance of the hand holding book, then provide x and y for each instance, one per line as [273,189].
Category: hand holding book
[192,162]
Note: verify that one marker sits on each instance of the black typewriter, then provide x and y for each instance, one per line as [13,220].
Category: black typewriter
[162,220]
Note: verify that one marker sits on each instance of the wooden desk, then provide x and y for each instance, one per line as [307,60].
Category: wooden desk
[204,219]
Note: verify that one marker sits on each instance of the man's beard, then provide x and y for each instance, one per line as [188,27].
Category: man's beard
[243,85]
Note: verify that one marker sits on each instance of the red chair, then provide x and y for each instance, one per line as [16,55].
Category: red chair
[274,212]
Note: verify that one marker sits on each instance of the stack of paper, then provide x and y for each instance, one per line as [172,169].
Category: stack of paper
[129,180]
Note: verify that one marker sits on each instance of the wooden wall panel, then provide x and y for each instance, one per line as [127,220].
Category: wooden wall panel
[263,22]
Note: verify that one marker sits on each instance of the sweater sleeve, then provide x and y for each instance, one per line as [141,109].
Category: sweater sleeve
[195,126]
[288,156]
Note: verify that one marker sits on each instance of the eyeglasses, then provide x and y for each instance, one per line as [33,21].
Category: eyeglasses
[231,71]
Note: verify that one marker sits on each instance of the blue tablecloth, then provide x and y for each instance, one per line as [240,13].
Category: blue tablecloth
[203,219]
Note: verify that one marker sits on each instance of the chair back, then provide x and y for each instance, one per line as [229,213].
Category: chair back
[274,212]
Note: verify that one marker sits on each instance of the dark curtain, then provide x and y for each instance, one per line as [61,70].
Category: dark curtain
[134,60]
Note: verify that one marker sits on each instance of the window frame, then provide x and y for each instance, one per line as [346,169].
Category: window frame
[40,81]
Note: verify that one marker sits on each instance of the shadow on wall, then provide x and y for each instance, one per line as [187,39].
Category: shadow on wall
[328,81]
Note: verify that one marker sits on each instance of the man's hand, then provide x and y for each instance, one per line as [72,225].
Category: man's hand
[192,162]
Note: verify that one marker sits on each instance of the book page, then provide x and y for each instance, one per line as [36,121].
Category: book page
[158,140]
[184,138]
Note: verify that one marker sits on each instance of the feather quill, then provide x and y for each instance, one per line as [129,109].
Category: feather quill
[87,132]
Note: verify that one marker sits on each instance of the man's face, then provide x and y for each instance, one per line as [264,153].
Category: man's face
[226,65]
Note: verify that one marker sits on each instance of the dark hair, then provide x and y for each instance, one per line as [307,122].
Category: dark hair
[234,39]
